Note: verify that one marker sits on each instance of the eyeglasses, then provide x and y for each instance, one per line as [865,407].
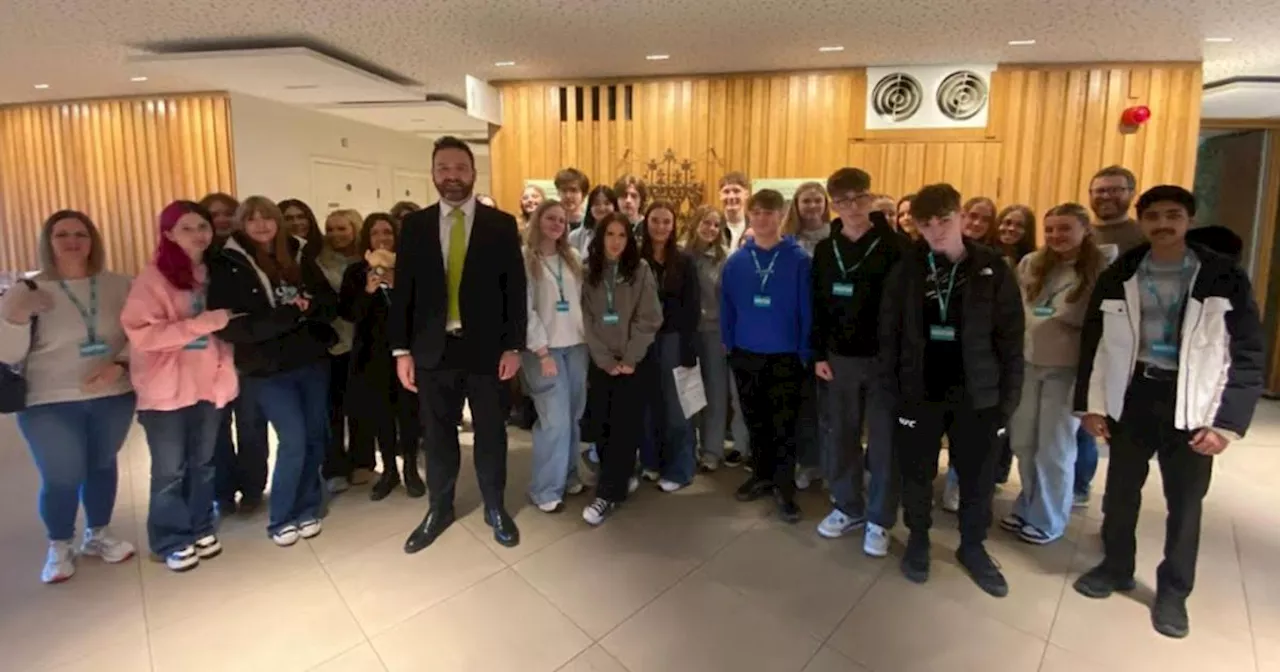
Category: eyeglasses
[1108,191]
[847,200]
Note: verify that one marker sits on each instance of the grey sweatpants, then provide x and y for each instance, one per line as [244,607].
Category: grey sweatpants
[851,399]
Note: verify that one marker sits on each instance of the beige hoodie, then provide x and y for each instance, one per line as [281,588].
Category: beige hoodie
[1053,325]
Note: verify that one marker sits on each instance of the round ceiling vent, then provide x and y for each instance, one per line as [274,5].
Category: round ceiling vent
[962,95]
[897,97]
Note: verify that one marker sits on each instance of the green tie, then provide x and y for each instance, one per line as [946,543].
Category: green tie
[457,255]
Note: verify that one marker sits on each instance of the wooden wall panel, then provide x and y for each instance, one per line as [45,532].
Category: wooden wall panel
[1050,128]
[119,161]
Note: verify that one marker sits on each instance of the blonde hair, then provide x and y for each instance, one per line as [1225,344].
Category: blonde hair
[97,252]
[791,226]
[693,243]
[352,219]
[533,241]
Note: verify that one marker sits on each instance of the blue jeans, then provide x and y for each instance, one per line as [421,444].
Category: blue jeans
[181,443]
[560,401]
[296,403]
[1086,462]
[671,430]
[1043,434]
[240,463]
[710,421]
[74,444]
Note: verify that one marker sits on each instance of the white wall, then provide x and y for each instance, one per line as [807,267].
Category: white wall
[276,145]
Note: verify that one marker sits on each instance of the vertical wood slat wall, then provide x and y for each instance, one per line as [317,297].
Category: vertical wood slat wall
[1050,128]
[119,161]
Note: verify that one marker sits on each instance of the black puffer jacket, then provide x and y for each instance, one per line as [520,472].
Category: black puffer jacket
[270,338]
[991,332]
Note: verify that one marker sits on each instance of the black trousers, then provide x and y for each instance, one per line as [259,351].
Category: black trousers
[441,394]
[240,459]
[769,389]
[1146,429]
[350,445]
[975,452]
[395,425]
[616,406]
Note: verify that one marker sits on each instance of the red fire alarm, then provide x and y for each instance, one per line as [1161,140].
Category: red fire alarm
[1135,116]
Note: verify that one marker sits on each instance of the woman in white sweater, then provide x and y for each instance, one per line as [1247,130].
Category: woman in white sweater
[66,334]
[555,362]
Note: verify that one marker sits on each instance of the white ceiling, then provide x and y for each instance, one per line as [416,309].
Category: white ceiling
[81,48]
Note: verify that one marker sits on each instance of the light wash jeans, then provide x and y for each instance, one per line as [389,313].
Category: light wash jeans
[710,421]
[1043,434]
[560,401]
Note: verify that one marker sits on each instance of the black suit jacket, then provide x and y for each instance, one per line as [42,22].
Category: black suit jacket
[491,300]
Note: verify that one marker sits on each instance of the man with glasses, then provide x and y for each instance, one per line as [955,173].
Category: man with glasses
[1110,194]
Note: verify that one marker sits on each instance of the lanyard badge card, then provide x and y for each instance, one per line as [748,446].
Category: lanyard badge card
[92,346]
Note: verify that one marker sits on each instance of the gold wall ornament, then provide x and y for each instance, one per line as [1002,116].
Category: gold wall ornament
[675,180]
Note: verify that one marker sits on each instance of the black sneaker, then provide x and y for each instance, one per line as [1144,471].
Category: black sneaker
[915,561]
[598,510]
[983,570]
[732,458]
[1100,582]
[1169,615]
[787,509]
[754,488]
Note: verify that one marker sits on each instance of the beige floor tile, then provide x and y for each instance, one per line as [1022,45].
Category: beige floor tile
[796,574]
[538,530]
[362,658]
[699,626]
[1267,647]
[292,625]
[1058,659]
[903,627]
[384,586]
[498,625]
[830,660]
[355,523]
[594,659]
[125,657]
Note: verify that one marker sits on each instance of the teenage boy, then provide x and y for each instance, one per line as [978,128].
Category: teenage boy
[951,352]
[572,187]
[765,316]
[1171,362]
[632,195]
[849,270]
[734,188]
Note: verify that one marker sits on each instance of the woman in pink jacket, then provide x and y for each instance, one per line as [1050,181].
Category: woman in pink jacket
[184,377]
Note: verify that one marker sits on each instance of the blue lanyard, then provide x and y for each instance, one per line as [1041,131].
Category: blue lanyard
[943,302]
[1048,300]
[835,247]
[559,274]
[197,299]
[766,272]
[1172,313]
[89,315]
[608,290]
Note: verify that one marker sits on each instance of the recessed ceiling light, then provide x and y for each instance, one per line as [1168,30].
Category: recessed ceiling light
[137,79]
[657,57]
[1219,40]
[828,50]
[504,64]
[42,86]
[1021,43]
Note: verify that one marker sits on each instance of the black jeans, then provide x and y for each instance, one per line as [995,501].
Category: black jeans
[240,460]
[975,452]
[769,388]
[350,445]
[1146,429]
[395,425]
[616,406]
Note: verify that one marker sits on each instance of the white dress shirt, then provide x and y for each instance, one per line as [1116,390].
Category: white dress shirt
[468,208]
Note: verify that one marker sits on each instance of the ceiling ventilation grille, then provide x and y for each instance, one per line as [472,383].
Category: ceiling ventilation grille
[962,94]
[897,97]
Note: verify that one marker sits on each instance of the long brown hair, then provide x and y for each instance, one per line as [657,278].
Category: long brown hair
[1090,262]
[992,236]
[1025,245]
[694,244]
[276,260]
[533,241]
[792,225]
[672,261]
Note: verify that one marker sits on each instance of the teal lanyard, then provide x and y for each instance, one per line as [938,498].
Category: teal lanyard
[943,301]
[835,247]
[766,272]
[1048,300]
[90,314]
[559,275]
[608,290]
[1172,313]
[198,299]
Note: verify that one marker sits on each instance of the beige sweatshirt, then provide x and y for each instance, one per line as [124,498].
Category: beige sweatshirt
[635,302]
[1052,325]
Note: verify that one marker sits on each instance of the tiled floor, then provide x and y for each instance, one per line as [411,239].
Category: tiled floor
[692,581]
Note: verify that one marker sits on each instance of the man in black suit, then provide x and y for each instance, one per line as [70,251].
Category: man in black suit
[457,326]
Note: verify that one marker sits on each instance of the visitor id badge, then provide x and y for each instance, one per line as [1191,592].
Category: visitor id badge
[93,349]
[562,306]
[1168,350]
[610,318]
[198,344]
[844,289]
[1043,311]
[762,300]
[939,332]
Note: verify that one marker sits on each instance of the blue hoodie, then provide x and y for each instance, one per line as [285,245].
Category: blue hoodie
[782,326]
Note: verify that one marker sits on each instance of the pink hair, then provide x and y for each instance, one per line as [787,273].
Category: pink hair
[172,261]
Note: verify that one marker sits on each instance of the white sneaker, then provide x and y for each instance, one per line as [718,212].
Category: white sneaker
[837,524]
[708,463]
[805,478]
[669,486]
[650,475]
[875,542]
[575,488]
[551,506]
[286,536]
[633,485]
[182,559]
[310,529]
[60,564]
[951,497]
[100,543]
[597,511]
[208,547]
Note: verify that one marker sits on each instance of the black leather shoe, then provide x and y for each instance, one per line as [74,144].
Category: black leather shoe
[413,485]
[505,531]
[387,482]
[431,528]
[754,488]
[787,509]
